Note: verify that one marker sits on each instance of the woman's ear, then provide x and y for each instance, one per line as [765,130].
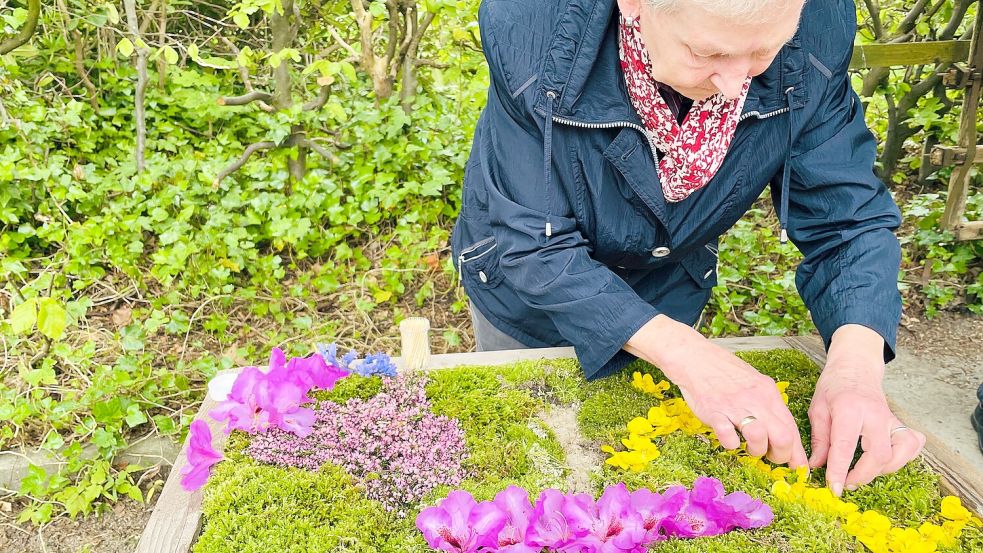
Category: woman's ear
[630,8]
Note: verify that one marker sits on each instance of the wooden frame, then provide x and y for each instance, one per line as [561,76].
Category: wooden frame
[176,521]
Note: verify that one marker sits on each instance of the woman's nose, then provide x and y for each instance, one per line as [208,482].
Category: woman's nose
[730,76]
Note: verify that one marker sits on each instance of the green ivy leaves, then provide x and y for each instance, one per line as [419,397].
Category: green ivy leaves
[47,313]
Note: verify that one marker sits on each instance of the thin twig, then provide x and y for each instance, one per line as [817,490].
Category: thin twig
[235,166]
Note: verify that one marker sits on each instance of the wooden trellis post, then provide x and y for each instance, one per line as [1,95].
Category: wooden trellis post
[967,153]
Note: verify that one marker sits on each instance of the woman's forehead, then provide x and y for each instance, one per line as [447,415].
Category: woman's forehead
[711,34]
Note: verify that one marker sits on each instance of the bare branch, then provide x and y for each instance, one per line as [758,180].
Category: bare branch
[341,41]
[874,9]
[959,9]
[235,166]
[910,20]
[247,98]
[80,68]
[30,25]
[321,99]
[431,63]
[320,150]
[141,88]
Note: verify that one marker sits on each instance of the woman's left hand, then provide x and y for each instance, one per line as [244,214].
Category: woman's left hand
[850,406]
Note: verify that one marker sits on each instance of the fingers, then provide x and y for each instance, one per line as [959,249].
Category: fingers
[785,444]
[844,434]
[820,421]
[724,430]
[905,446]
[756,435]
[876,443]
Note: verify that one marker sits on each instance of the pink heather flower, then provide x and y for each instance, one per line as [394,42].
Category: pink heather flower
[201,457]
[461,525]
[514,502]
[391,443]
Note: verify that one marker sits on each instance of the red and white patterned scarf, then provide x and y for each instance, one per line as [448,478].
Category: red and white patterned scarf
[693,151]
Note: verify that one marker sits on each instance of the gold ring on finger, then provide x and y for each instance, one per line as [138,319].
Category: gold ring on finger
[745,421]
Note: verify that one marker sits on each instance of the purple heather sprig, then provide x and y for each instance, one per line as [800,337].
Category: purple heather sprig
[619,521]
[391,443]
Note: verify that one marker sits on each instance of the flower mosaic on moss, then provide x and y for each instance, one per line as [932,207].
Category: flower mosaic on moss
[874,530]
[504,415]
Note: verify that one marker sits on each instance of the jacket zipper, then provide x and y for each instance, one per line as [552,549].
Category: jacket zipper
[639,128]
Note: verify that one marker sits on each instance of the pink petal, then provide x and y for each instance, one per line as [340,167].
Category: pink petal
[486,521]
[433,522]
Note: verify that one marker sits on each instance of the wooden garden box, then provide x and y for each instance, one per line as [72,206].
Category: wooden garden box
[177,518]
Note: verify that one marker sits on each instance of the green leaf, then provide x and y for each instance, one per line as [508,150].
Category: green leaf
[165,425]
[40,377]
[170,55]
[134,416]
[124,47]
[241,19]
[52,318]
[24,316]
[112,13]
[193,51]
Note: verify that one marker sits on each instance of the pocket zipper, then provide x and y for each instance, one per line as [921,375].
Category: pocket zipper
[462,257]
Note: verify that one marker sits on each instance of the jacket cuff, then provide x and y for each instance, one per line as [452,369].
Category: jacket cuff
[603,355]
[883,321]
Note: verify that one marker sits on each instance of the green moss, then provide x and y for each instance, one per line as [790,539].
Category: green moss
[352,386]
[251,508]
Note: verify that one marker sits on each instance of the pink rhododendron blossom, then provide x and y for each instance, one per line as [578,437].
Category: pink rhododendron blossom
[708,512]
[261,398]
[461,525]
[201,457]
[548,527]
[514,502]
[618,522]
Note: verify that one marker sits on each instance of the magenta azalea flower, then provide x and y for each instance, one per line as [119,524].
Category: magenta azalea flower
[707,512]
[261,398]
[514,502]
[651,510]
[244,408]
[548,527]
[461,525]
[201,457]
[607,526]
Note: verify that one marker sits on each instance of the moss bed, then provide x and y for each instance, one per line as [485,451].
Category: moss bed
[505,412]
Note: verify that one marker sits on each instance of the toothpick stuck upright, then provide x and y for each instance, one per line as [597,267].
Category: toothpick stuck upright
[415,335]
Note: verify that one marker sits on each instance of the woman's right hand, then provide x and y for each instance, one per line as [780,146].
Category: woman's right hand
[723,391]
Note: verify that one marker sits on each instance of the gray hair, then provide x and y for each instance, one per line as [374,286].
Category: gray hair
[740,10]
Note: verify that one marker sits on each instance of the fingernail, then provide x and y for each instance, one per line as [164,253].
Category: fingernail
[837,489]
[851,488]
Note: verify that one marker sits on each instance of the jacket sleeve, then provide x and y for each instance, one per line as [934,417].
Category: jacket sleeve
[593,308]
[842,218]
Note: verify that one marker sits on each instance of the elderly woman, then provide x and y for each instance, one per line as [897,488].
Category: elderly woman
[620,140]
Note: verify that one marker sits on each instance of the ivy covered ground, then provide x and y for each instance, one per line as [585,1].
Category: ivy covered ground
[513,435]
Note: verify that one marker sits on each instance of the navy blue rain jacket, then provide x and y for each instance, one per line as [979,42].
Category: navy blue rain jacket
[564,236]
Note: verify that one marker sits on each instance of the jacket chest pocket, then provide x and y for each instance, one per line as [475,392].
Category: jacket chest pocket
[622,229]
